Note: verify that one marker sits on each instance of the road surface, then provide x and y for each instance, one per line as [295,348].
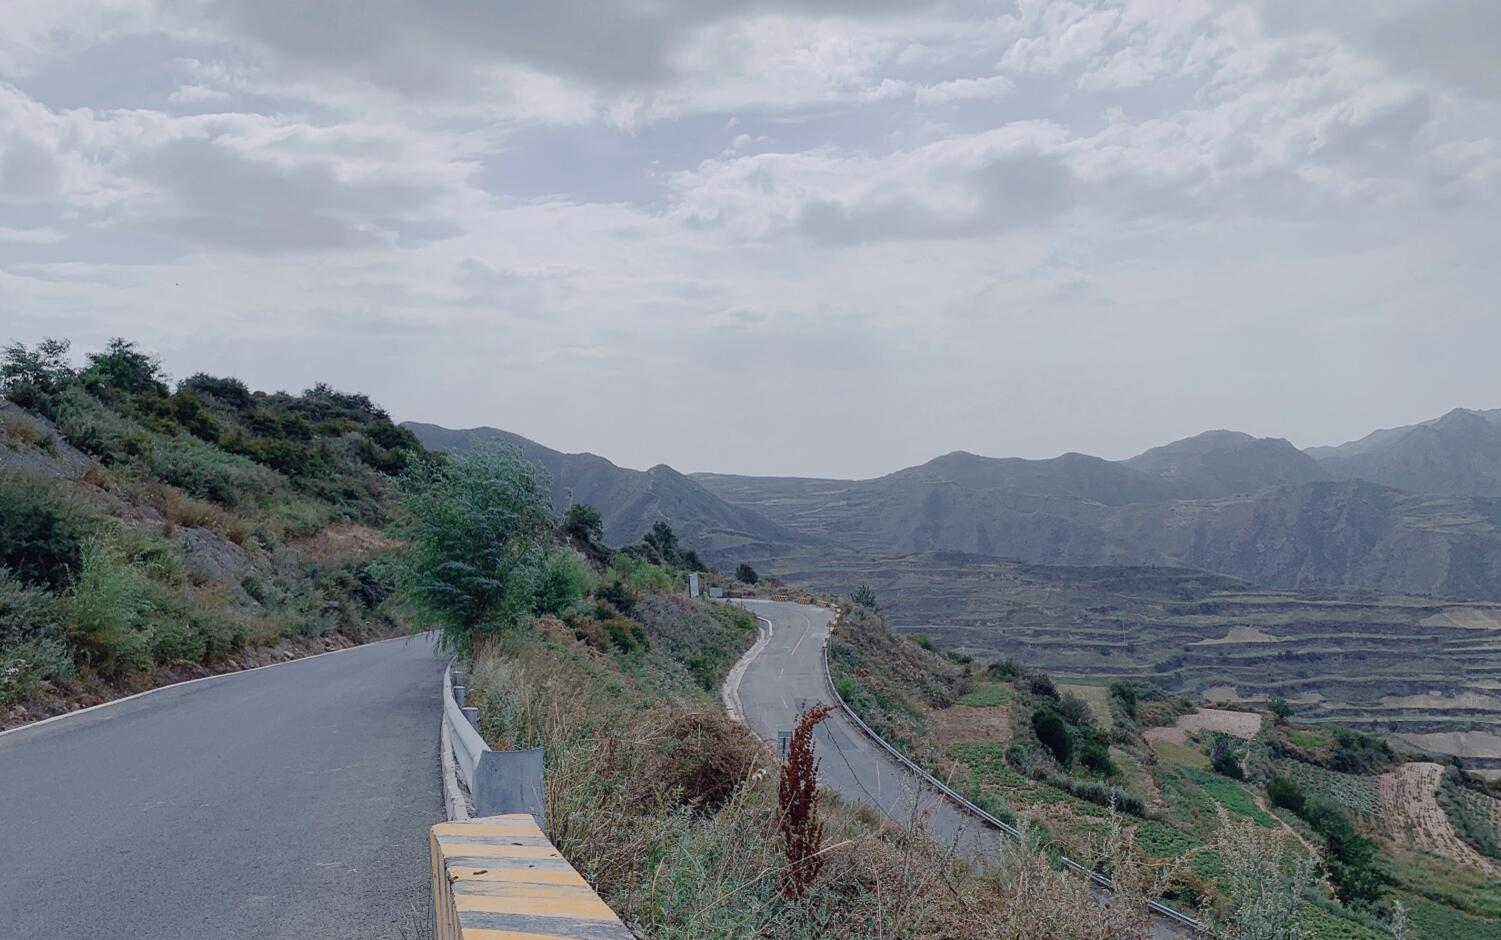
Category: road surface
[787,675]
[291,801]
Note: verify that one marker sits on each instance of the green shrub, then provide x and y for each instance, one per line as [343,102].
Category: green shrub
[1052,731]
[1125,694]
[565,581]
[746,573]
[109,606]
[1075,710]
[1359,753]
[1095,757]
[207,472]
[41,535]
[638,573]
[1286,794]
[1005,669]
[31,646]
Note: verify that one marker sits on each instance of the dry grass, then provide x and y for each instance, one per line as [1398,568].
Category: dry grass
[1241,724]
[670,811]
[180,509]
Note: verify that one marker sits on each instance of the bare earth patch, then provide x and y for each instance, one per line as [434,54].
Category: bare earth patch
[1474,618]
[1221,693]
[1241,634]
[1474,700]
[347,542]
[1241,724]
[1462,743]
[1415,820]
[959,724]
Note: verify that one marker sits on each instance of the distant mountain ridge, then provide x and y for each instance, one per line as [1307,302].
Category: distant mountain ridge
[630,501]
[1225,463]
[1458,454]
[1415,510]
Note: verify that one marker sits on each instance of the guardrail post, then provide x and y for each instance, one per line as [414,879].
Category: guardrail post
[473,715]
[458,695]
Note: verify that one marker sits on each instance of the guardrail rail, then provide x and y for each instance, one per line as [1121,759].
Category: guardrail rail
[1156,907]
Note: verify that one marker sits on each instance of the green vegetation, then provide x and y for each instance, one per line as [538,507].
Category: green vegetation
[148,532]
[987,695]
[475,529]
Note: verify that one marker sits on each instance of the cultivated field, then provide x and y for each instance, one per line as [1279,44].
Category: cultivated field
[1425,670]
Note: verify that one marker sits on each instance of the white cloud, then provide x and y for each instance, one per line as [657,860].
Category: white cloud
[1049,229]
[963,89]
[195,94]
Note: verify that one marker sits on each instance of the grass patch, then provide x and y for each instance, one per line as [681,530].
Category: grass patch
[1326,925]
[988,695]
[1234,797]
[1180,754]
[1433,921]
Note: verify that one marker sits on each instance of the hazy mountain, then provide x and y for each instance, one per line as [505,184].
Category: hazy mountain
[631,500]
[1458,454]
[953,502]
[1256,509]
[1226,463]
[1076,510]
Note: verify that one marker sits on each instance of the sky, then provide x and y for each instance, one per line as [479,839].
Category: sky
[830,237]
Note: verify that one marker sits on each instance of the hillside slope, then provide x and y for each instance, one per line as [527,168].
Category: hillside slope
[630,501]
[1227,463]
[150,534]
[1458,454]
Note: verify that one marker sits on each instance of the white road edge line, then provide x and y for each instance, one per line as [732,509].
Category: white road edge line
[729,693]
[219,675]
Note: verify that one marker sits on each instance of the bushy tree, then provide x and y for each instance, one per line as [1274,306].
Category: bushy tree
[747,574]
[664,541]
[475,529]
[121,367]
[1280,709]
[29,377]
[583,523]
[865,596]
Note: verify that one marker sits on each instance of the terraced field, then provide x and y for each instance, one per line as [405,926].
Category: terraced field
[1422,669]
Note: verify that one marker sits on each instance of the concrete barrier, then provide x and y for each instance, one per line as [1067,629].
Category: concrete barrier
[499,878]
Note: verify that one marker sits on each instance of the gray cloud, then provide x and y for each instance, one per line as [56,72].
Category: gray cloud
[1008,228]
[220,197]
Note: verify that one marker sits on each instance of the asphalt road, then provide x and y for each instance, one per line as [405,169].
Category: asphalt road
[291,801]
[787,676]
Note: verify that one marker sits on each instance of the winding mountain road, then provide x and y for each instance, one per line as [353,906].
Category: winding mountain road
[787,675]
[286,802]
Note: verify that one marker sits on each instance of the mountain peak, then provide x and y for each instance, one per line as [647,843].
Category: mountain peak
[1226,463]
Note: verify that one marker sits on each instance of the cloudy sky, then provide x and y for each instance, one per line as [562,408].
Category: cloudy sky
[828,237]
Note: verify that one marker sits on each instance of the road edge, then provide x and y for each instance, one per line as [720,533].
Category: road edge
[186,682]
[729,693]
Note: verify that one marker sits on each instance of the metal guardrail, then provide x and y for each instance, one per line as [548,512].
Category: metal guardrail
[1156,907]
[499,782]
